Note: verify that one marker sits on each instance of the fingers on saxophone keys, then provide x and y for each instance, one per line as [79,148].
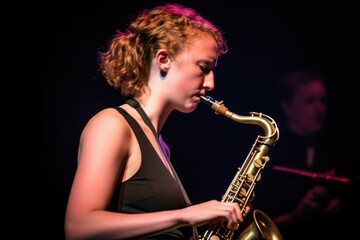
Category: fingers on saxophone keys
[247,210]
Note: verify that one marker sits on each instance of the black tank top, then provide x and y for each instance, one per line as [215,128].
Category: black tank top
[151,189]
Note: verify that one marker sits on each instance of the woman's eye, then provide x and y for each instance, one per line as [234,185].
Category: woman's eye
[205,69]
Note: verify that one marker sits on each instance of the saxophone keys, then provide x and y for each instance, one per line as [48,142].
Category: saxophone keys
[258,163]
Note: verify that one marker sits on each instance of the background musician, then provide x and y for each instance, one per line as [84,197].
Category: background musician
[303,206]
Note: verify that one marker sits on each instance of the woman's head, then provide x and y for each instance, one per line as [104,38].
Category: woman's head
[126,63]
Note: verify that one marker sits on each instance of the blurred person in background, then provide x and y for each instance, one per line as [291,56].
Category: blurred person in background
[301,191]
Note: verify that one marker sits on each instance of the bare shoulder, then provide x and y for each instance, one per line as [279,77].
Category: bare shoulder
[108,115]
[107,122]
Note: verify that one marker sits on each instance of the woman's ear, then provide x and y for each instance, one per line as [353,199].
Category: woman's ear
[163,61]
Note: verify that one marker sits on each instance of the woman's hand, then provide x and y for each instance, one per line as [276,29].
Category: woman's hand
[317,200]
[203,213]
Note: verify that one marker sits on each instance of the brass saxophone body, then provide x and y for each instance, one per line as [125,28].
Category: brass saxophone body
[241,189]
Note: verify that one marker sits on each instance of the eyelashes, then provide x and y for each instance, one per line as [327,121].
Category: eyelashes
[205,69]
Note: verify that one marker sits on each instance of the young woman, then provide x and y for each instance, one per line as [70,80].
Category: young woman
[125,186]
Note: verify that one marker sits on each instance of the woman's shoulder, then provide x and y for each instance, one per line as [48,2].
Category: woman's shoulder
[108,114]
[106,121]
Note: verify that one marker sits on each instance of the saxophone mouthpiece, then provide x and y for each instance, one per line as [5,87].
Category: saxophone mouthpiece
[207,100]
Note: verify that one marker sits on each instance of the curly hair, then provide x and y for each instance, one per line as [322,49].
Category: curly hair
[126,62]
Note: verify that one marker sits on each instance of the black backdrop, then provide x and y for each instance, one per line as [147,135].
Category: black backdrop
[266,38]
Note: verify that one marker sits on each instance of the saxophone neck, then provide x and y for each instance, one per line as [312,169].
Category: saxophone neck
[268,124]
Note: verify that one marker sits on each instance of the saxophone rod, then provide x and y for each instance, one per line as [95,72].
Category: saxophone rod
[311,174]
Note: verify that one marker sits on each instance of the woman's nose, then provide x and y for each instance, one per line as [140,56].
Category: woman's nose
[209,83]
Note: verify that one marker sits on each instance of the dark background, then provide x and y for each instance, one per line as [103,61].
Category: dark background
[266,39]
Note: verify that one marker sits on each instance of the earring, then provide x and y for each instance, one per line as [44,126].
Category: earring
[162,74]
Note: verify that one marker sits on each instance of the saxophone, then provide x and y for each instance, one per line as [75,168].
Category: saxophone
[241,189]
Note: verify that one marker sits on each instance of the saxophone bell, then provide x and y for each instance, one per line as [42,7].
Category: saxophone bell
[261,228]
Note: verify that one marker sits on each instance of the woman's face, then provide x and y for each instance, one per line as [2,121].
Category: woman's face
[307,109]
[191,73]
